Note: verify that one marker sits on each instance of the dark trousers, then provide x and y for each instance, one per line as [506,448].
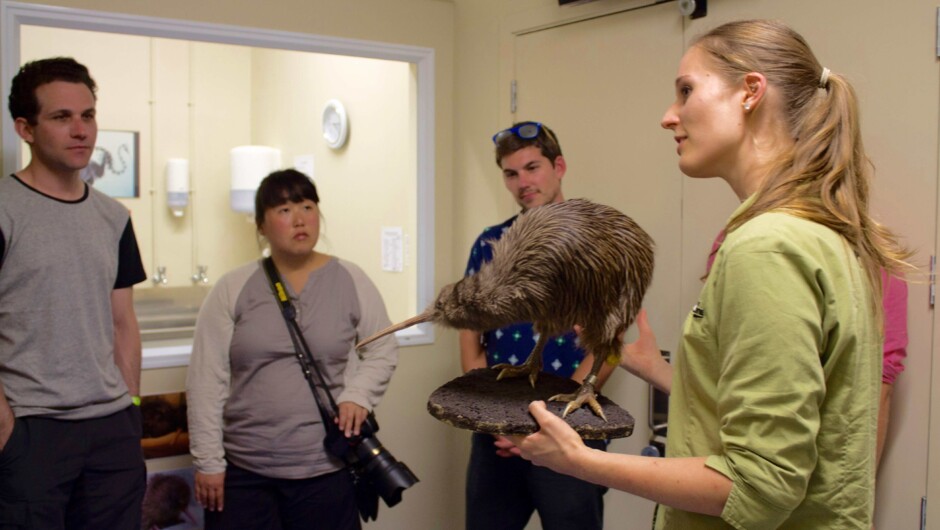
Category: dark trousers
[255,502]
[503,492]
[73,474]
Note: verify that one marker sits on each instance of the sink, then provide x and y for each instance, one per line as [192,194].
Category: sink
[165,313]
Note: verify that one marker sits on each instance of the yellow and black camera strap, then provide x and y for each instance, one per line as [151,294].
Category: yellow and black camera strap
[329,411]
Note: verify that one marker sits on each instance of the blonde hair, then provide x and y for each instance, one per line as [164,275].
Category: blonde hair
[825,175]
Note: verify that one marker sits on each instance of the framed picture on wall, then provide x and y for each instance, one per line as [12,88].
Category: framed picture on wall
[114,165]
[164,425]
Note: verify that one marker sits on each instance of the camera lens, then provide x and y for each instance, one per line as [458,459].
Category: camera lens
[389,476]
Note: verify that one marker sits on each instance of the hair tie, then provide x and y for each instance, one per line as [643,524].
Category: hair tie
[824,78]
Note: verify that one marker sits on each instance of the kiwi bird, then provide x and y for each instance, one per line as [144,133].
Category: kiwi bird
[559,265]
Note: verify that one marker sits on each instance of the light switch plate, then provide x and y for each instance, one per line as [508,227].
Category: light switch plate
[392,249]
[304,164]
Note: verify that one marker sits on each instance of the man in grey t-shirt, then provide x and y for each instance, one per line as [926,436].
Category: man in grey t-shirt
[69,341]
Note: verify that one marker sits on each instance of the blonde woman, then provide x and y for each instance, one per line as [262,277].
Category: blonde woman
[775,385]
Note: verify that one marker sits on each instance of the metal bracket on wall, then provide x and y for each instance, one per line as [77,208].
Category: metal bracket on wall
[923,513]
[932,292]
[693,8]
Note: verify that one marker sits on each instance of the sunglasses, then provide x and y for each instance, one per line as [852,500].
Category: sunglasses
[527,131]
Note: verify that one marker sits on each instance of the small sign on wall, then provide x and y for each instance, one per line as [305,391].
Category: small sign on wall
[392,249]
[114,166]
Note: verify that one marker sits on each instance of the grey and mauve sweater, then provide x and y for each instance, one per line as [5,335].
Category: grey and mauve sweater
[248,401]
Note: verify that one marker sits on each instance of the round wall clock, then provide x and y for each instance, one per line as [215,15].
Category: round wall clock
[335,124]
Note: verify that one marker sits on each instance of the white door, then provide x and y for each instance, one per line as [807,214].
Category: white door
[602,85]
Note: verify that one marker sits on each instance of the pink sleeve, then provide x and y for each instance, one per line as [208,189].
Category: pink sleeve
[719,239]
[895,314]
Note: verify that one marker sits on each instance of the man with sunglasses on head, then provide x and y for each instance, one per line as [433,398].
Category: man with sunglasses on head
[503,490]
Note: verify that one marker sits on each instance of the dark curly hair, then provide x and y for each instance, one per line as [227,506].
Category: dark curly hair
[546,141]
[23,102]
[166,499]
[159,417]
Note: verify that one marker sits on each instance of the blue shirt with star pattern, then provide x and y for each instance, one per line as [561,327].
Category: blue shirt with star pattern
[513,344]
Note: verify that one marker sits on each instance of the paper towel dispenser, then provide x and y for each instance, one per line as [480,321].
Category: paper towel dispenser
[250,164]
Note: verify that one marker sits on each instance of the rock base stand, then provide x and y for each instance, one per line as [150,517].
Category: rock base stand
[478,402]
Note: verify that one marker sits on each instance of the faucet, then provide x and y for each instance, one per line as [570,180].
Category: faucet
[201,275]
[160,277]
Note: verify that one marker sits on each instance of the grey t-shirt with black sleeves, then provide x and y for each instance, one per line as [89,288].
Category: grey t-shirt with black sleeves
[59,263]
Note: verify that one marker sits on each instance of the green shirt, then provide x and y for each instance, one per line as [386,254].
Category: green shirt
[777,378]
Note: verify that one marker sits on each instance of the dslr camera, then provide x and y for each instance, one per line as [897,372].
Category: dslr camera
[375,471]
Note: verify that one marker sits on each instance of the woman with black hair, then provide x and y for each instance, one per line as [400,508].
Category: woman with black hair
[256,435]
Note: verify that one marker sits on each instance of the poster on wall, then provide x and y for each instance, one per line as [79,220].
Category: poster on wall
[165,429]
[170,502]
[114,165]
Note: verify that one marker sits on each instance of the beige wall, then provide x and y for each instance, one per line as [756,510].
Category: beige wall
[219,119]
[370,182]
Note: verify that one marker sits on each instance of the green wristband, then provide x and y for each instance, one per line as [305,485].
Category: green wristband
[135,400]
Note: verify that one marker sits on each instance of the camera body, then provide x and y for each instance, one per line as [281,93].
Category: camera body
[371,463]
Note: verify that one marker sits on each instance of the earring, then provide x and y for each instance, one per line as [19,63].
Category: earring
[747,106]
